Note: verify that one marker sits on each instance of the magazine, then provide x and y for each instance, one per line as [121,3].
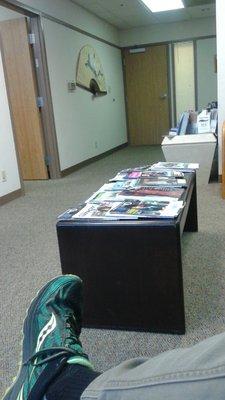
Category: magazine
[119,185]
[126,175]
[143,191]
[68,214]
[140,192]
[168,173]
[97,211]
[160,181]
[102,195]
[145,181]
[146,209]
[129,209]
[188,167]
[147,173]
[139,168]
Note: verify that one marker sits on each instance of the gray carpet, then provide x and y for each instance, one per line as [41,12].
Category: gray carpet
[29,257]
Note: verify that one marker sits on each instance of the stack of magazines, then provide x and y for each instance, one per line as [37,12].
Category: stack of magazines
[185,167]
[152,191]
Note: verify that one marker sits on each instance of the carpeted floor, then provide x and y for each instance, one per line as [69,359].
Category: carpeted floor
[29,257]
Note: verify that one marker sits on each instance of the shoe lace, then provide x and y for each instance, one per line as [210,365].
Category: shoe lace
[71,336]
[49,354]
[72,348]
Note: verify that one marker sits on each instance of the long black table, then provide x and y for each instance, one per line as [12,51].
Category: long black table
[132,269]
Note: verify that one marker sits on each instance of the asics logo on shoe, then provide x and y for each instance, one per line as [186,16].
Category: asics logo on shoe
[46,330]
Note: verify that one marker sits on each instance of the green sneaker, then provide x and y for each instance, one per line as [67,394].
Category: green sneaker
[50,338]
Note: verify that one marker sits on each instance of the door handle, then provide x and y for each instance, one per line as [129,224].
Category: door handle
[163,96]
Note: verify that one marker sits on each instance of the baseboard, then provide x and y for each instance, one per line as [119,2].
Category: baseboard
[11,196]
[74,168]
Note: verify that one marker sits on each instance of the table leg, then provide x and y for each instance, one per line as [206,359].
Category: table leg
[191,224]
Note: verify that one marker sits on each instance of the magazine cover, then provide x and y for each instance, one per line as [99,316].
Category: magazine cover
[101,196]
[152,191]
[126,175]
[140,192]
[95,211]
[144,181]
[168,173]
[146,209]
[119,185]
[147,173]
[161,181]
[176,165]
[129,209]
[139,168]
[68,214]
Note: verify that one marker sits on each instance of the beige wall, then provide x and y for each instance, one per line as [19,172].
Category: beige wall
[206,73]
[168,32]
[184,77]
[85,126]
[8,160]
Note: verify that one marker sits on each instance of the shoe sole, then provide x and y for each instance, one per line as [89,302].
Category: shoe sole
[13,391]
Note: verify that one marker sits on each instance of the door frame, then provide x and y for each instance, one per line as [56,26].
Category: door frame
[43,86]
[44,90]
[123,50]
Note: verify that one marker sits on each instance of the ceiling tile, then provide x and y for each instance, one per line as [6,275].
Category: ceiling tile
[207,10]
[193,3]
[172,16]
[125,14]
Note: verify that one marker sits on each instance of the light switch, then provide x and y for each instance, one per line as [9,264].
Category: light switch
[71,86]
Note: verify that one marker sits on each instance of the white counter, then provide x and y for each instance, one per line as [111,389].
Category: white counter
[187,139]
[197,148]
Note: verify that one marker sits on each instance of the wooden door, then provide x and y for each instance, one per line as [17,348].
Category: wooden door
[147,95]
[22,92]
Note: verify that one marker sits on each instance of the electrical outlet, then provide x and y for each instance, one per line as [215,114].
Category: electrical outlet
[3,176]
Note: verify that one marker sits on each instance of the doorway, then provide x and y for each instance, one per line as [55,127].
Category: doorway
[22,92]
[147,88]
[28,88]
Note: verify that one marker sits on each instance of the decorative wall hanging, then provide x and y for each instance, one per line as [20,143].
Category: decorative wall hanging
[90,74]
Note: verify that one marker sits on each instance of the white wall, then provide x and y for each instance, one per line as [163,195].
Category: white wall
[76,15]
[157,33]
[220,20]
[8,160]
[206,74]
[81,120]
[6,13]
[184,77]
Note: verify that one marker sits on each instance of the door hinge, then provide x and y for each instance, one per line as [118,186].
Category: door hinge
[31,38]
[47,160]
[40,102]
[36,61]
[124,62]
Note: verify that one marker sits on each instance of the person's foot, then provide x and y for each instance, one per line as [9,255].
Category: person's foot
[50,338]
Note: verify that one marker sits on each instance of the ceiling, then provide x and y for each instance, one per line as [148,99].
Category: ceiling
[125,14]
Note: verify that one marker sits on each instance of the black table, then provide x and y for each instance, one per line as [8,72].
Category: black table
[132,270]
